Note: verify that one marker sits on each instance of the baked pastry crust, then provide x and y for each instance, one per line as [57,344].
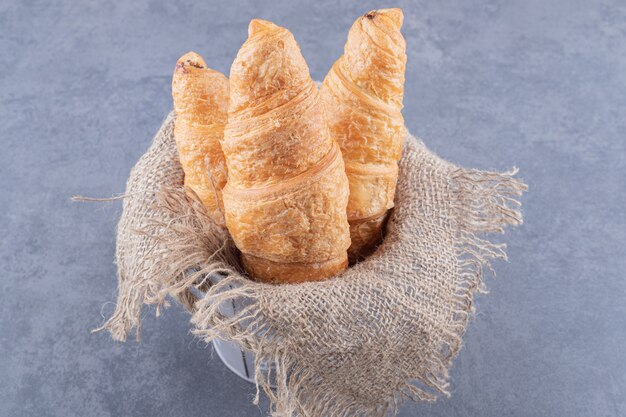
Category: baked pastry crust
[201,104]
[287,191]
[362,96]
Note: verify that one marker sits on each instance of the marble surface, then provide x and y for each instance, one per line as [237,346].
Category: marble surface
[490,84]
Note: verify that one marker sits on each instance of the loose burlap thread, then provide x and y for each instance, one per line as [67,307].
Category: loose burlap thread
[384,331]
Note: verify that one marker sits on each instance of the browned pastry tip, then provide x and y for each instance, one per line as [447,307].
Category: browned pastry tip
[257,26]
[190,59]
[395,16]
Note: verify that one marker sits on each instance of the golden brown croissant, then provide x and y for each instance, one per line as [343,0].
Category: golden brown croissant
[362,95]
[287,191]
[201,104]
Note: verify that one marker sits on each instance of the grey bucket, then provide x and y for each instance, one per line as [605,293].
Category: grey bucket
[238,360]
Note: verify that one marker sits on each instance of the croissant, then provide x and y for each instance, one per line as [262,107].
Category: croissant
[201,103]
[287,191]
[362,95]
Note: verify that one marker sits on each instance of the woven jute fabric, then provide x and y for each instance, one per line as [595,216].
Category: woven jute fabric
[384,331]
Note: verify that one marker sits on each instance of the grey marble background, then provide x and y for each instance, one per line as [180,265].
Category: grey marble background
[490,84]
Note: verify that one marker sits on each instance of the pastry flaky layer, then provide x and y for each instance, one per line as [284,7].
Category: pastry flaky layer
[362,95]
[365,234]
[201,103]
[287,191]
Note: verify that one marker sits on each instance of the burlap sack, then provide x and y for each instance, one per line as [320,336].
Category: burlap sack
[359,344]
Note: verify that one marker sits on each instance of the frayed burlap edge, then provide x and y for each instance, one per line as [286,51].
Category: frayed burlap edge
[483,206]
